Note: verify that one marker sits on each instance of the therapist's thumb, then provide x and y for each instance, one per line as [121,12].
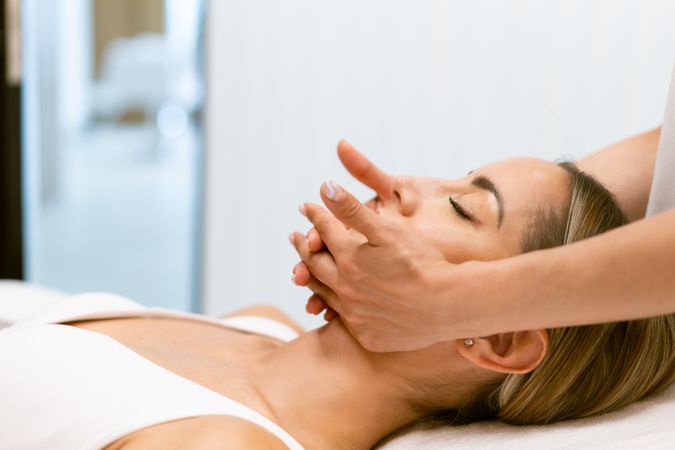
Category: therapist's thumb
[350,211]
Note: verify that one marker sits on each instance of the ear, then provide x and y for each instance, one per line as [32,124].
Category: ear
[518,352]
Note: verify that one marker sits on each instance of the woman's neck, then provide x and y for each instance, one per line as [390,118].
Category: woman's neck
[328,392]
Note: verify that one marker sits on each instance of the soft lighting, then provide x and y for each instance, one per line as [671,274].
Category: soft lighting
[172,121]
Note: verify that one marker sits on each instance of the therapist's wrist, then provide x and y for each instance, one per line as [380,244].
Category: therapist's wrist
[467,297]
[517,292]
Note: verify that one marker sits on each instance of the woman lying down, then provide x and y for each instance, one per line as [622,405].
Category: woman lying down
[99,371]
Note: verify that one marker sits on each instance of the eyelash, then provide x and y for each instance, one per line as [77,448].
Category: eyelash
[459,210]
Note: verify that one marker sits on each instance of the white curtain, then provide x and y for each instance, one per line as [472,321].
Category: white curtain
[428,87]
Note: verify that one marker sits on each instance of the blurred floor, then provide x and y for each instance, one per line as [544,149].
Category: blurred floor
[123,219]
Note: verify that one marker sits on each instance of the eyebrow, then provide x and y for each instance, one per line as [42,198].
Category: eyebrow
[485,183]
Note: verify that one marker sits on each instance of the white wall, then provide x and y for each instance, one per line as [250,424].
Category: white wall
[423,87]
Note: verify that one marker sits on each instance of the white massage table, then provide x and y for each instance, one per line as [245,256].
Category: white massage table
[649,424]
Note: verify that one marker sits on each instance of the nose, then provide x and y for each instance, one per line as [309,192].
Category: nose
[407,193]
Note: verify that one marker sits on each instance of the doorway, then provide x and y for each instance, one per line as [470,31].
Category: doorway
[112,147]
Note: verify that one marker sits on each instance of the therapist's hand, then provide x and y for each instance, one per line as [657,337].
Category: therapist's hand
[370,175]
[377,275]
[365,172]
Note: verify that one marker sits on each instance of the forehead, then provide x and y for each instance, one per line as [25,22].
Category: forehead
[527,185]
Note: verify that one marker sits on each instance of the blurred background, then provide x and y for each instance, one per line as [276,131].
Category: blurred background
[113,93]
[166,144]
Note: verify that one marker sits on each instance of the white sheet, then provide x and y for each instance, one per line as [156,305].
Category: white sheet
[648,424]
[19,300]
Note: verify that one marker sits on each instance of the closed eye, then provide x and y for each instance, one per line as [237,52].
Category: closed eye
[460,211]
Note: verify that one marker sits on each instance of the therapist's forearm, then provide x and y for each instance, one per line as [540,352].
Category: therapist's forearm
[627,273]
[626,169]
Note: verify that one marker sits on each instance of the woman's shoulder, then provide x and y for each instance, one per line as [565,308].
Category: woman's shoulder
[201,433]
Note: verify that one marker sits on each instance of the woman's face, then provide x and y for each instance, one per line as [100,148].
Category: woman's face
[482,216]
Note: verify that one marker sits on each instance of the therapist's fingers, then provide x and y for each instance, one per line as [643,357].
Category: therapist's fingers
[330,314]
[315,305]
[333,233]
[301,274]
[347,209]
[324,298]
[320,264]
[314,240]
[323,291]
[365,171]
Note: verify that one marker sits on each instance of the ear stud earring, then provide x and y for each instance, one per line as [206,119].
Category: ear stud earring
[468,342]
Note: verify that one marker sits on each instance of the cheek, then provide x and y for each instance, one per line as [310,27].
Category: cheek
[457,245]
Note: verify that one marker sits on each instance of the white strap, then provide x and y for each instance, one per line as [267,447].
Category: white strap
[261,325]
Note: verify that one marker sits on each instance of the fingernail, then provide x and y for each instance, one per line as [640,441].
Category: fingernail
[302,209]
[293,277]
[332,190]
[290,238]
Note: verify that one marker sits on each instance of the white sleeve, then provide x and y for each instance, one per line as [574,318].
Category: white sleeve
[662,195]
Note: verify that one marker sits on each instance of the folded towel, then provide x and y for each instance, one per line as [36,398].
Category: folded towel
[19,300]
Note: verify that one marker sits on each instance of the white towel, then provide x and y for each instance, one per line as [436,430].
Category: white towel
[19,300]
[643,425]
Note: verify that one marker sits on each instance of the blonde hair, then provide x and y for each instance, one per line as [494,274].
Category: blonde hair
[590,369]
